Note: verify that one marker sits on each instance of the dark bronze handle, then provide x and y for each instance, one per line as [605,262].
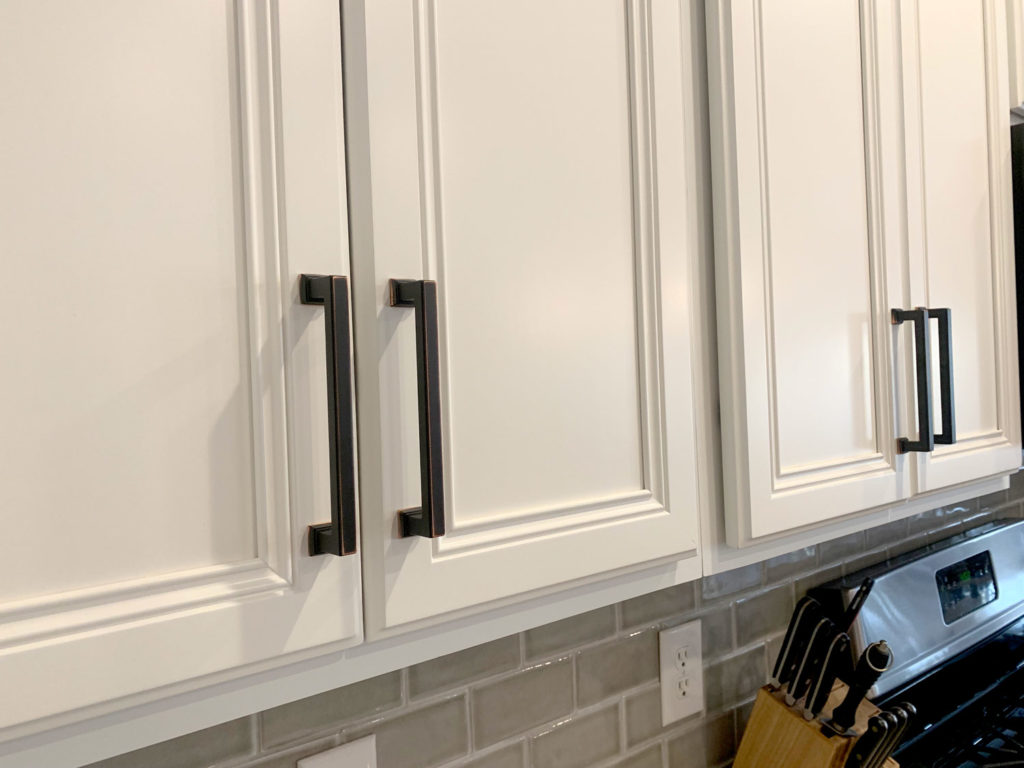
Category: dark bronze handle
[337,537]
[926,439]
[428,519]
[948,434]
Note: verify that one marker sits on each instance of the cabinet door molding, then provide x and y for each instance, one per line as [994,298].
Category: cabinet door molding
[528,158]
[170,169]
[960,232]
[807,262]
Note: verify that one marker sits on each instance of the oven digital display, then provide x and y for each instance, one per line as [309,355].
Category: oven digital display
[966,586]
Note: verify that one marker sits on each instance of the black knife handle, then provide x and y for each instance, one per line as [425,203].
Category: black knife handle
[897,724]
[818,696]
[873,662]
[804,606]
[856,604]
[816,647]
[866,745]
[905,713]
[882,751]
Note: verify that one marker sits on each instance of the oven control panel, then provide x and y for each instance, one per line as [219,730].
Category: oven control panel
[966,586]
[933,603]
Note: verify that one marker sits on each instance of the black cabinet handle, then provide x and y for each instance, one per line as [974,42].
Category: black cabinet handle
[337,537]
[926,439]
[428,519]
[948,434]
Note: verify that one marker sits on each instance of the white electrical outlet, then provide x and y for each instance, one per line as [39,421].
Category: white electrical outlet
[682,672]
[356,754]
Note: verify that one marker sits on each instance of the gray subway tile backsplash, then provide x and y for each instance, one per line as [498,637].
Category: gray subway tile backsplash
[510,756]
[763,614]
[688,748]
[617,666]
[719,738]
[883,535]
[733,679]
[785,567]
[658,605]
[715,742]
[516,704]
[331,709]
[717,633]
[842,548]
[649,758]
[570,633]
[730,582]
[811,580]
[579,743]
[471,664]
[643,717]
[422,738]
[585,692]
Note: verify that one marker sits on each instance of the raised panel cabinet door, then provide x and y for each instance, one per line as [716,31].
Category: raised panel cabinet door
[527,160]
[169,168]
[804,135]
[961,228]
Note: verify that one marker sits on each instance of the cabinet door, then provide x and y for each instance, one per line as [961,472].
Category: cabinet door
[961,226]
[528,157]
[805,160]
[168,169]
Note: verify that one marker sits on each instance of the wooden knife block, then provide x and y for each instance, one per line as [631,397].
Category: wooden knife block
[778,736]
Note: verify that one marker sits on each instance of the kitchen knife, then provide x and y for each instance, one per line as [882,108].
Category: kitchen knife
[805,608]
[897,720]
[805,674]
[866,746]
[856,604]
[878,756]
[873,662]
[835,657]
[801,639]
[903,712]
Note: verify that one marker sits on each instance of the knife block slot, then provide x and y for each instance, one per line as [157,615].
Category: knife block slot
[778,736]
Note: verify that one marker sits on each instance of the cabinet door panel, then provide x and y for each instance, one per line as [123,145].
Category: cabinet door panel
[958,138]
[155,468]
[536,216]
[509,154]
[805,260]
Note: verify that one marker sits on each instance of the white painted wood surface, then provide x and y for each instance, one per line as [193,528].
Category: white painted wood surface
[169,169]
[1015,50]
[879,181]
[508,152]
[149,718]
[807,262]
[961,226]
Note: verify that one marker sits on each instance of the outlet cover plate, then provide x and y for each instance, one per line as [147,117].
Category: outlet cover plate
[682,672]
[356,754]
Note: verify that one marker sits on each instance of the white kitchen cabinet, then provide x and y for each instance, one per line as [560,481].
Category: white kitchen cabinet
[807,264]
[526,160]
[861,164]
[169,168]
[960,232]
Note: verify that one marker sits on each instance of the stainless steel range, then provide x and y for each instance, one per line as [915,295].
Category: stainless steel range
[953,614]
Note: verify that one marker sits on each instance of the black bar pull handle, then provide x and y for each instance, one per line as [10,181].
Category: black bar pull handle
[337,537]
[948,434]
[426,520]
[926,438]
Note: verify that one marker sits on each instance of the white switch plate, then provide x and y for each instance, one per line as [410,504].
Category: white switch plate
[682,672]
[356,754]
